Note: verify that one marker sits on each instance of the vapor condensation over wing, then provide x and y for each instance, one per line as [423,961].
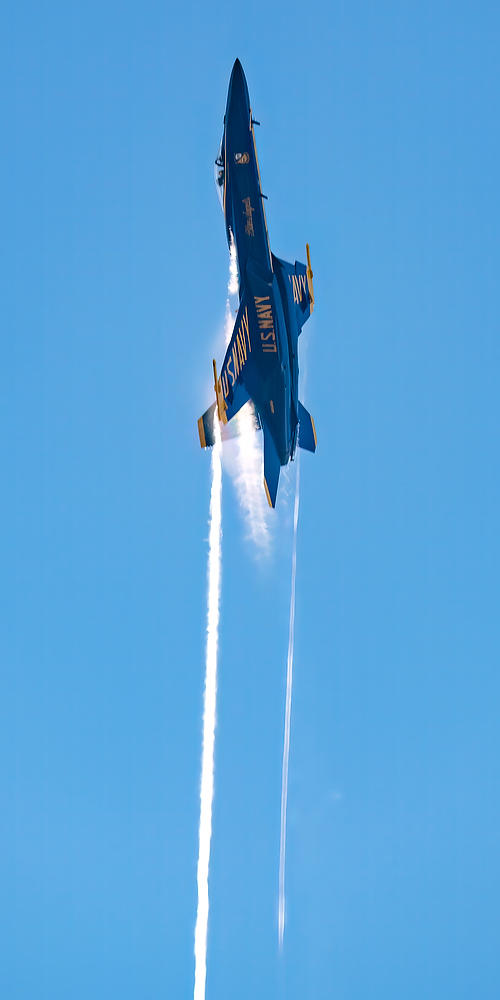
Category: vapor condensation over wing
[247,468]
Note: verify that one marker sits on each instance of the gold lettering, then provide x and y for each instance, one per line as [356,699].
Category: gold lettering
[248,213]
[230,371]
[244,323]
[242,344]
[267,336]
[235,360]
[240,352]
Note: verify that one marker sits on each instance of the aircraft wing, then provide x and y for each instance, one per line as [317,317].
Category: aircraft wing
[238,358]
[230,387]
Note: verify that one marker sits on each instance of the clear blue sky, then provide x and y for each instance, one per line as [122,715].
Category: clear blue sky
[380,146]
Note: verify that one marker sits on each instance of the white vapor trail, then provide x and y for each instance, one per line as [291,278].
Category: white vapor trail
[209,718]
[288,711]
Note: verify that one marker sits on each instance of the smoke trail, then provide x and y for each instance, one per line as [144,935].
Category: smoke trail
[209,718]
[288,710]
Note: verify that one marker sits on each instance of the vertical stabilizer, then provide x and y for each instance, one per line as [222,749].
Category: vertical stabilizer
[272,467]
[307,430]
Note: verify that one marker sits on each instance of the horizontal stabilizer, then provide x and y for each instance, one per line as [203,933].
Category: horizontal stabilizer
[206,427]
[246,420]
[272,467]
[307,430]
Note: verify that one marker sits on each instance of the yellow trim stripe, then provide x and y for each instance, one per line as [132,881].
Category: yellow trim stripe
[268,495]
[201,432]
[220,399]
[310,279]
[314,432]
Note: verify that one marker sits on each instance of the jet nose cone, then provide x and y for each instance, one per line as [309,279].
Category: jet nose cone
[238,89]
[237,76]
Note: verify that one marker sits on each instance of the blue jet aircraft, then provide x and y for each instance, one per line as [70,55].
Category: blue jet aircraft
[276,298]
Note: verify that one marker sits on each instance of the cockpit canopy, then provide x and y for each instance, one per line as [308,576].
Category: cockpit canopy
[219,173]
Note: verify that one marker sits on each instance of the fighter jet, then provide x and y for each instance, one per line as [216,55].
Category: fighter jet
[276,298]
